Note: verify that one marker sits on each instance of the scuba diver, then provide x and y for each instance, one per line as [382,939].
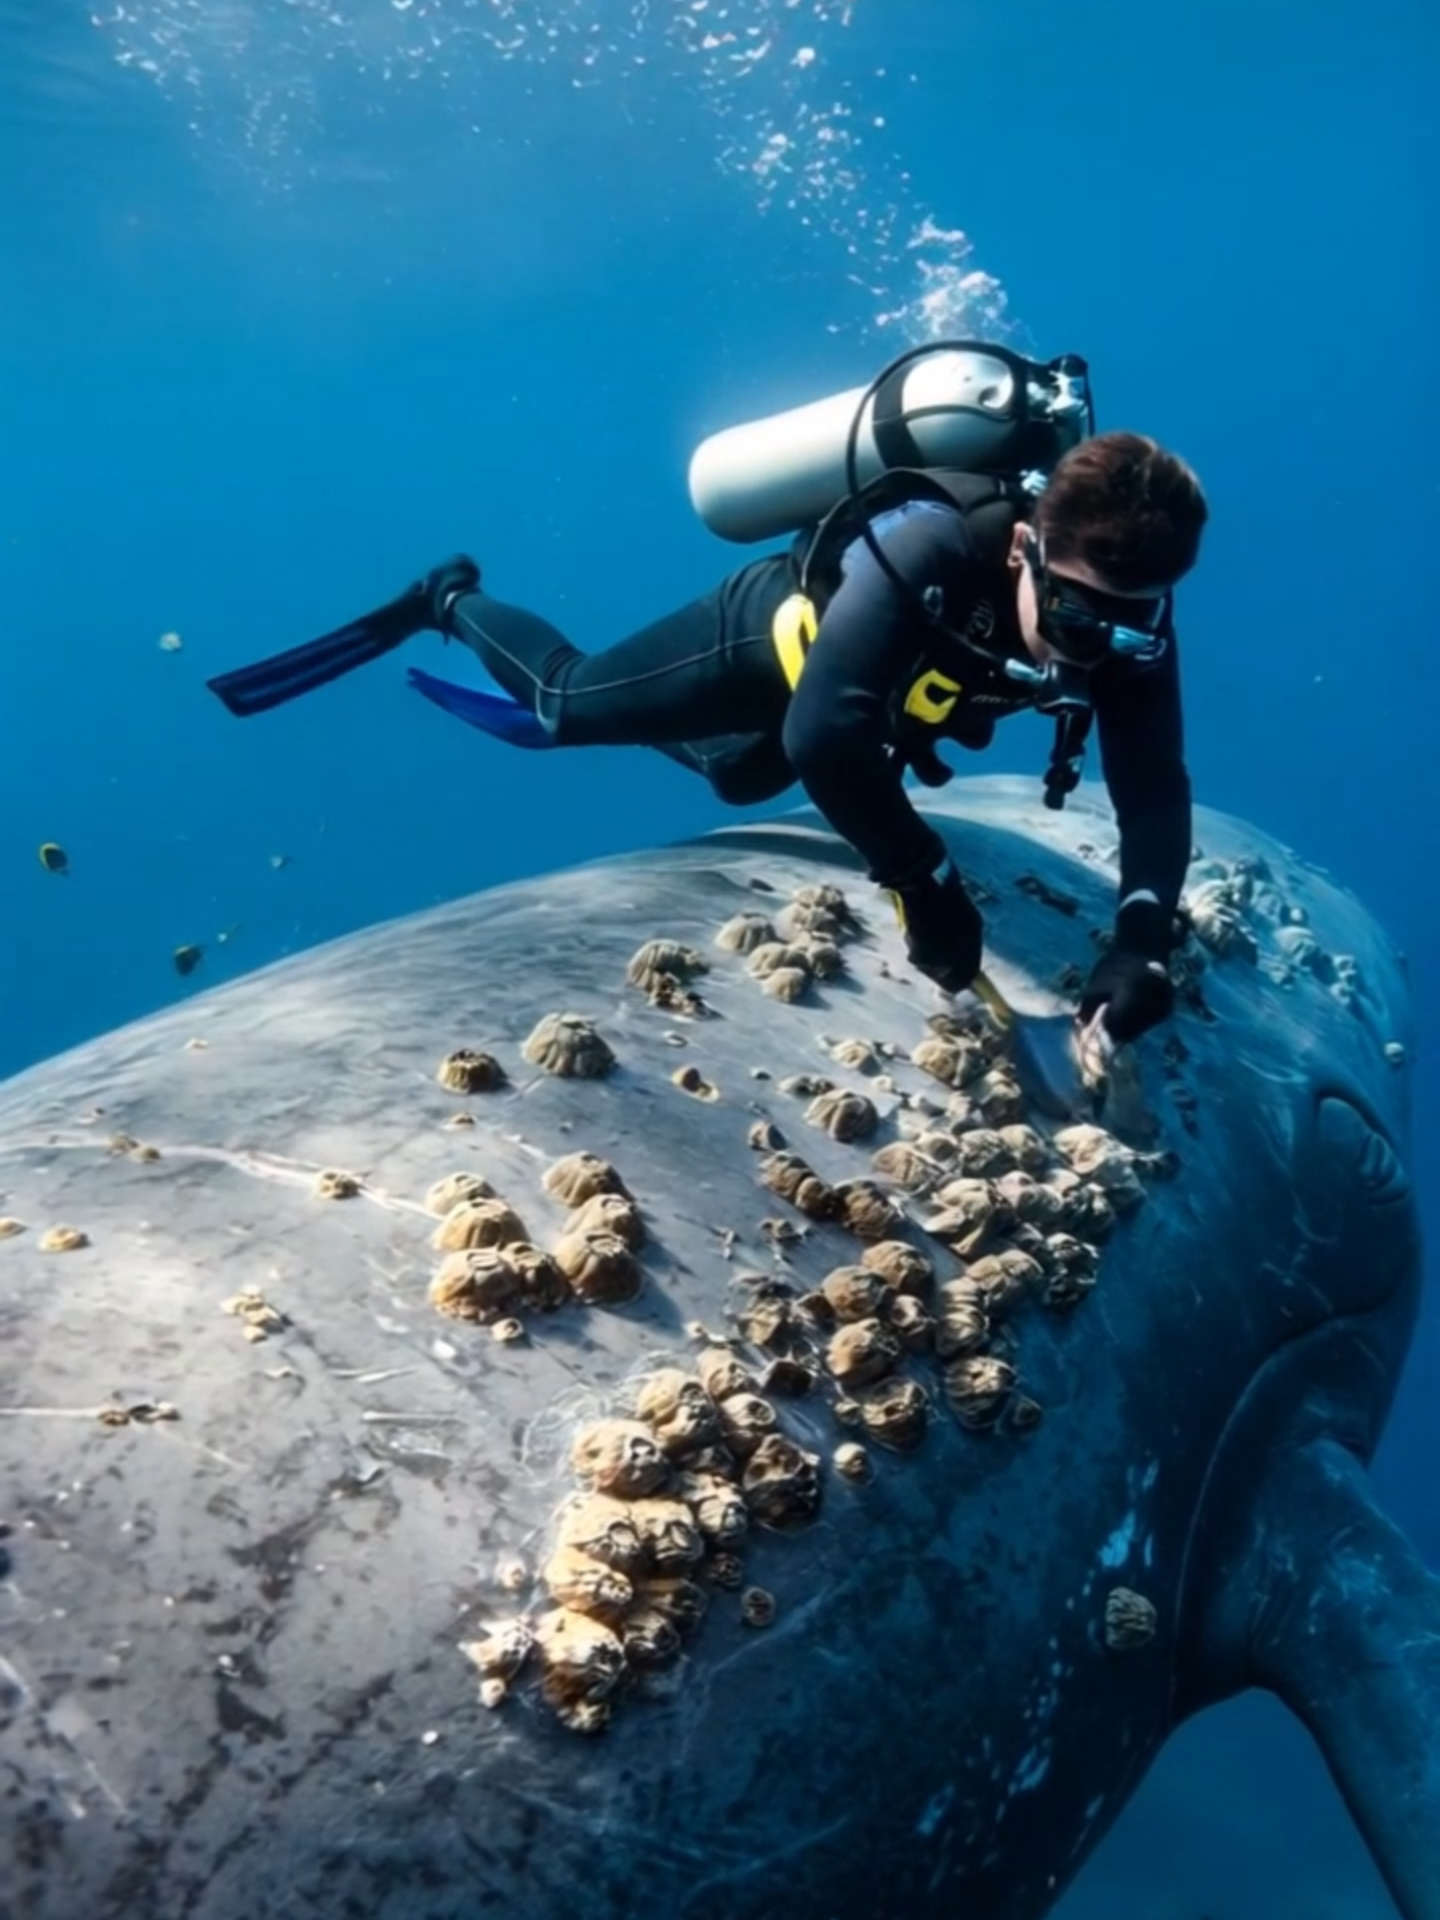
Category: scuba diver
[968,547]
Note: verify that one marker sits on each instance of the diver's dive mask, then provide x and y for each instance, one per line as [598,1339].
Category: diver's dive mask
[1086,626]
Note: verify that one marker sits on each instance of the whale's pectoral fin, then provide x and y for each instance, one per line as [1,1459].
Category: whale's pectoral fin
[1346,1630]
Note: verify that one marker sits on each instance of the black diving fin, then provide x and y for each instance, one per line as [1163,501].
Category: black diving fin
[285,676]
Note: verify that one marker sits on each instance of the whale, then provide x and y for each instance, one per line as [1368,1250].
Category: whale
[602,1397]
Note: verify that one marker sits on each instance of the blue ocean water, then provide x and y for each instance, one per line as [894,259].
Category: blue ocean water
[299,297]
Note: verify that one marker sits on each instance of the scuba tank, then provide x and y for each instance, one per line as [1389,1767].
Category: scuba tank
[963,404]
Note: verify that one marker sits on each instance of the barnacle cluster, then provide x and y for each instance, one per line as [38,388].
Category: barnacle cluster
[468,1071]
[668,1492]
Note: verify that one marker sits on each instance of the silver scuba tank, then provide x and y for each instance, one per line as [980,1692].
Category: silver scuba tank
[953,403]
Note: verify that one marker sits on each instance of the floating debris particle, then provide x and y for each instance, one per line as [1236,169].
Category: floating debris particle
[690,1080]
[10,1226]
[277,861]
[567,1044]
[1395,1053]
[456,1189]
[757,1607]
[845,1116]
[170,643]
[468,1071]
[478,1223]
[578,1177]
[745,932]
[1130,1620]
[53,857]
[63,1240]
[659,960]
[335,1184]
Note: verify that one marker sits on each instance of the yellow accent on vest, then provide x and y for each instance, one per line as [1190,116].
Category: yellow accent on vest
[793,630]
[932,697]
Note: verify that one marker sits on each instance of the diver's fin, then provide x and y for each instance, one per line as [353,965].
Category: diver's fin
[493,713]
[285,676]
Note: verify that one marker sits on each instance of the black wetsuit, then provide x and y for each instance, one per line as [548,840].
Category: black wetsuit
[878,687]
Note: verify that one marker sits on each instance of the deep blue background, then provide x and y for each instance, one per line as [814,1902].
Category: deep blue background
[256,372]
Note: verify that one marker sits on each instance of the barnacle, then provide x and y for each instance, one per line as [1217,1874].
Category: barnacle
[669,1533]
[621,1457]
[478,1223]
[578,1177]
[610,1213]
[1130,1620]
[853,1293]
[478,1284]
[678,1411]
[503,1651]
[467,1071]
[10,1226]
[725,1569]
[691,1080]
[1004,1279]
[776,956]
[802,1086]
[789,1377]
[757,1607]
[977,1386]
[508,1330]
[1027,1147]
[1086,1208]
[745,1420]
[899,1265]
[716,1505]
[599,1266]
[911,1323]
[63,1240]
[681,1601]
[844,1115]
[858,1054]
[969,1208]
[723,1374]
[744,932]
[1025,1414]
[781,1483]
[786,983]
[895,1413]
[573,1579]
[863,1351]
[796,1181]
[823,958]
[867,1210]
[1215,915]
[649,1637]
[821,910]
[982,1152]
[661,957]
[1098,1157]
[604,1528]
[904,1163]
[851,1461]
[335,1184]
[455,1190]
[582,1659]
[962,1322]
[568,1044]
[765,1137]
[953,1059]
[260,1318]
[1030,1199]
[540,1283]
[998,1095]
[765,1321]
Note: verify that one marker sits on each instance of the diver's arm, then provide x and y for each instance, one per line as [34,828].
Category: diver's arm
[837,726]
[1142,756]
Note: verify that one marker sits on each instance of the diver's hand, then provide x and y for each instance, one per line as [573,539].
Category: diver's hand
[943,931]
[1130,981]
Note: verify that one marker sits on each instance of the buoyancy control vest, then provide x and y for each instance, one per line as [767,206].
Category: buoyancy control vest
[966,423]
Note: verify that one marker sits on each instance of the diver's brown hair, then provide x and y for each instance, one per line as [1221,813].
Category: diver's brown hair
[1121,504]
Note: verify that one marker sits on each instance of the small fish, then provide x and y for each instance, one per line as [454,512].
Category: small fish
[187,959]
[54,858]
[170,643]
[227,934]
[279,860]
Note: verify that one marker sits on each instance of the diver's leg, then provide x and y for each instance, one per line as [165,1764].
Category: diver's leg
[708,669]
[743,769]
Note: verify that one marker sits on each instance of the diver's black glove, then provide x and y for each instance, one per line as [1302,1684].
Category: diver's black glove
[1130,979]
[443,585]
[942,927]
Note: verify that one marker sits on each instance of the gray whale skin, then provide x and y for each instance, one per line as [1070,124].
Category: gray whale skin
[230,1677]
